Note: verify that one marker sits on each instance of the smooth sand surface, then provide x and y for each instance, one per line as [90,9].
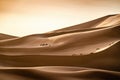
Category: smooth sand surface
[88,51]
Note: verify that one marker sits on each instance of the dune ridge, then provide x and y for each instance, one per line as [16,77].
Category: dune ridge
[87,51]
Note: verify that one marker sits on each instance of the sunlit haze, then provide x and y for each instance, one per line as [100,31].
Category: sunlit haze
[24,17]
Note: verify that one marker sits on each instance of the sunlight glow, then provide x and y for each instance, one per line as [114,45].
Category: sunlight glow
[25,17]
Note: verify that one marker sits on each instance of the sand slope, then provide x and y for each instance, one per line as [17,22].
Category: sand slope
[88,51]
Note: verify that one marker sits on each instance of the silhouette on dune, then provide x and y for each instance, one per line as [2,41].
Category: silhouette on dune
[88,51]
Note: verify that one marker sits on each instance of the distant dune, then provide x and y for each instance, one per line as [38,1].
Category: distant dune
[87,51]
[5,36]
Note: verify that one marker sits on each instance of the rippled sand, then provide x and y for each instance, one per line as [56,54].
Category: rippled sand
[88,51]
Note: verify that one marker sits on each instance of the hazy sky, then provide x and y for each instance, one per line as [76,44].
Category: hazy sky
[24,17]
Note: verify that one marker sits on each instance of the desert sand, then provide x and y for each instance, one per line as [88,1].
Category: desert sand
[87,51]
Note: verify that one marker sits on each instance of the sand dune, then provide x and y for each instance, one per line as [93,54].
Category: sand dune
[107,59]
[88,51]
[78,42]
[5,36]
[58,73]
